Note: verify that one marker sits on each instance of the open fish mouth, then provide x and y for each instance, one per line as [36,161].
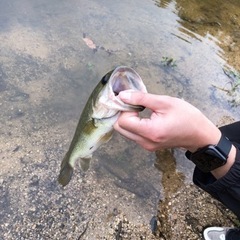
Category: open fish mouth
[125,78]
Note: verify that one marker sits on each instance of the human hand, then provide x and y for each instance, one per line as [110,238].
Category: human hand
[173,123]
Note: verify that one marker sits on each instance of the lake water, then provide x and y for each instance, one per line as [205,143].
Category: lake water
[187,49]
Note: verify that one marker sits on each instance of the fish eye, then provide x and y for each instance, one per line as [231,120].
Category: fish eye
[105,78]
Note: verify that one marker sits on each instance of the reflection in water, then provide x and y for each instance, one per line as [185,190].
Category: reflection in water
[171,179]
[128,174]
[163,3]
[216,24]
[218,21]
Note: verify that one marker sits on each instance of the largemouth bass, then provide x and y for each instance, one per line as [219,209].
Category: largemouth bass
[101,111]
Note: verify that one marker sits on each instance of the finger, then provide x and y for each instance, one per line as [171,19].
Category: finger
[127,134]
[130,114]
[139,126]
[151,101]
[125,116]
[143,142]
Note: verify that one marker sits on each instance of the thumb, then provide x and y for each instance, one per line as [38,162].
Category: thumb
[151,101]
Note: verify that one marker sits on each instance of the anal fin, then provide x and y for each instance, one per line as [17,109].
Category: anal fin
[85,163]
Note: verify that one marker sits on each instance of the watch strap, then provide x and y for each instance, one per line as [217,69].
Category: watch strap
[211,157]
[224,146]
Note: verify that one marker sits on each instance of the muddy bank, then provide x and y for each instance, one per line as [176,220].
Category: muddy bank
[184,215]
[186,210]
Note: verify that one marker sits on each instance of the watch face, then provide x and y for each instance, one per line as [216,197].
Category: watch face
[208,159]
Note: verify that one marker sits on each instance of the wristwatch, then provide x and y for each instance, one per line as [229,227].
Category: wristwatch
[212,156]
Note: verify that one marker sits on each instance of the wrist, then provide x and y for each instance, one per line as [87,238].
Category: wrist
[205,136]
[217,158]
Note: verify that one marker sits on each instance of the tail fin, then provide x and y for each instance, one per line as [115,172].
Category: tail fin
[65,174]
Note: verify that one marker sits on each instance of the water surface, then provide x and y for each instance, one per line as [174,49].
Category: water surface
[180,48]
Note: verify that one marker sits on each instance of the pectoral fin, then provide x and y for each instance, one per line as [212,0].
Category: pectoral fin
[85,163]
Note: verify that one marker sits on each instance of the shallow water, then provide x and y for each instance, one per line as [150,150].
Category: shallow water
[180,48]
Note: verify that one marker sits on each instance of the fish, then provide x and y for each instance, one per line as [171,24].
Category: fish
[95,126]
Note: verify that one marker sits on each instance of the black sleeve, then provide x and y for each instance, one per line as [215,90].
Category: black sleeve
[232,132]
[227,188]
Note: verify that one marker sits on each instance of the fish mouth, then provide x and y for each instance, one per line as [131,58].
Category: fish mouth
[125,78]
